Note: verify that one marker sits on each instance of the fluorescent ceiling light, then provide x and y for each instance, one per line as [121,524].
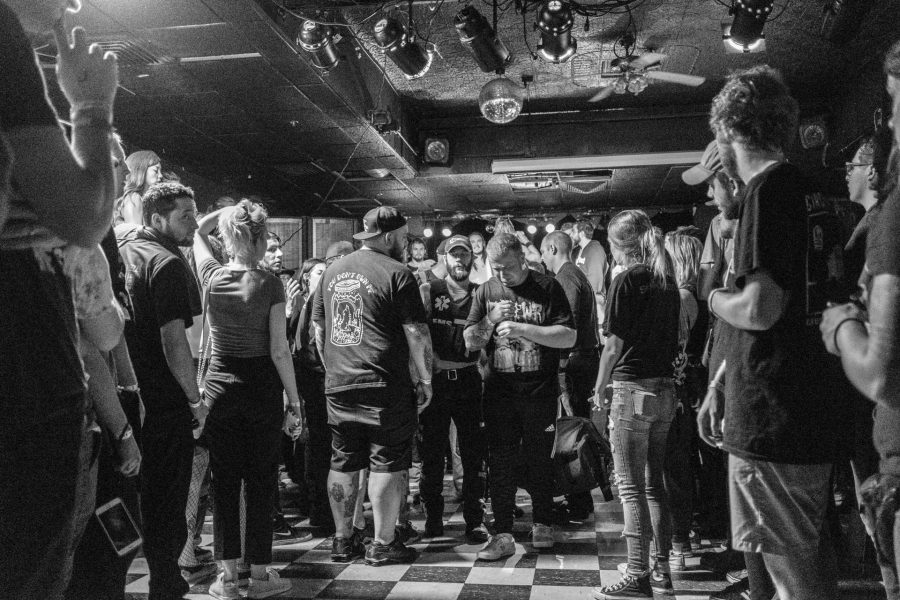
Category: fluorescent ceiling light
[220,57]
[611,161]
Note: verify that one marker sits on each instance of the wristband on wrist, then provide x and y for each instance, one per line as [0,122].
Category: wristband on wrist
[195,404]
[425,381]
[709,302]
[838,327]
[91,114]
[128,388]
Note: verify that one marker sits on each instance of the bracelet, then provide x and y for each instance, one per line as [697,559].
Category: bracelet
[195,404]
[126,433]
[425,381]
[709,301]
[838,327]
[128,388]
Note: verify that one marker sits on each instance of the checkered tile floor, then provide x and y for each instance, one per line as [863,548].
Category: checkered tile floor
[585,555]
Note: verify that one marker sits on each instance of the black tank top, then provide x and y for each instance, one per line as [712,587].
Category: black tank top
[448,321]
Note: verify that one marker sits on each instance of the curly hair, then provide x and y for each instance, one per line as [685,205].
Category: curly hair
[242,227]
[756,109]
[162,198]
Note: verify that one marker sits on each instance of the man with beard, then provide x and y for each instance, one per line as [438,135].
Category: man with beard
[418,256]
[578,367]
[523,319]
[457,396]
[784,418]
[370,323]
[165,299]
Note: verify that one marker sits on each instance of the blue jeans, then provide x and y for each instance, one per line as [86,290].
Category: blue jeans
[639,421]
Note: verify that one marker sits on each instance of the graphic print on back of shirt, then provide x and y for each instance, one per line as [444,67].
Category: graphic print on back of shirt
[520,355]
[346,313]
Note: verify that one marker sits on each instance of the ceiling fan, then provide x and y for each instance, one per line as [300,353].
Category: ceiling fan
[636,71]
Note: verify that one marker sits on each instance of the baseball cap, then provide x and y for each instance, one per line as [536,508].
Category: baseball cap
[379,221]
[710,164]
[458,241]
[442,248]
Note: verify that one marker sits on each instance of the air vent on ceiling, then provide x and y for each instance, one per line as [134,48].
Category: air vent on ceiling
[134,53]
[577,182]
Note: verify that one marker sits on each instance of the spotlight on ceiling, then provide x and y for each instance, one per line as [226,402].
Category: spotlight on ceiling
[745,34]
[549,227]
[501,100]
[318,40]
[428,232]
[479,38]
[531,229]
[446,232]
[555,22]
[401,47]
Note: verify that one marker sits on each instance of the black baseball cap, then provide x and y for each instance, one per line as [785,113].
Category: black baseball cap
[379,221]
[458,241]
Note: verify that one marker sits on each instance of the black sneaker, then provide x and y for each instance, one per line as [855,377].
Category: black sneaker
[627,587]
[407,533]
[280,528]
[477,535]
[366,534]
[347,549]
[722,562]
[390,554]
[433,530]
[735,591]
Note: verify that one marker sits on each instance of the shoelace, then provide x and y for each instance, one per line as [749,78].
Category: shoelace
[620,585]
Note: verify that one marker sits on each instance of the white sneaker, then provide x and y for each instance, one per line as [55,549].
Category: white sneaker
[273,586]
[224,590]
[542,536]
[500,546]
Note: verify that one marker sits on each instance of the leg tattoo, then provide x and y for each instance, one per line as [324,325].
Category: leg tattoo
[337,492]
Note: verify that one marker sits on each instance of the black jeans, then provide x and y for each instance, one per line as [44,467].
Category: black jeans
[459,399]
[581,371]
[681,453]
[40,440]
[244,434]
[311,385]
[520,426]
[99,573]
[168,455]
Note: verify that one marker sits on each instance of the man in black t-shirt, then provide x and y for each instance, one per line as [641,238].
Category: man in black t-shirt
[457,396]
[869,348]
[578,368]
[370,324]
[61,193]
[165,299]
[522,318]
[783,422]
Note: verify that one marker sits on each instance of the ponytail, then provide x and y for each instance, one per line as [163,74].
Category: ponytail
[632,232]
[242,226]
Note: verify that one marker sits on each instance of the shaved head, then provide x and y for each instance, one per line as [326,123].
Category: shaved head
[561,240]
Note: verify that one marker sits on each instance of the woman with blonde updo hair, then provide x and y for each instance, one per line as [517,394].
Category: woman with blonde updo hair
[641,326]
[249,366]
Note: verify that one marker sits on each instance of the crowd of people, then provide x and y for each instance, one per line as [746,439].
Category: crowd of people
[157,356]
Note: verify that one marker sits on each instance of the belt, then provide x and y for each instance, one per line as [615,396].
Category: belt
[453,374]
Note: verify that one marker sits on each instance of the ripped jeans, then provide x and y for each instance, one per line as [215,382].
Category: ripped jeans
[639,420]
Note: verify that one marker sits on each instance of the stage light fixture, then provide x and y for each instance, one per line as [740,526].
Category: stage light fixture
[446,232]
[745,34]
[549,227]
[428,232]
[437,151]
[318,41]
[501,100]
[480,39]
[555,24]
[400,46]
[531,229]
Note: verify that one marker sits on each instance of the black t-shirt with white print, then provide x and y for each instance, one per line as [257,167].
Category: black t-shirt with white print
[366,299]
[523,367]
[784,400]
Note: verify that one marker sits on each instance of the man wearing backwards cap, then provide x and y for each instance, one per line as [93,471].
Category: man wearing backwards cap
[718,250]
[457,395]
[370,323]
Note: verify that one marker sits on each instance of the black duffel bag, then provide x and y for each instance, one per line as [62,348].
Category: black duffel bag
[582,458]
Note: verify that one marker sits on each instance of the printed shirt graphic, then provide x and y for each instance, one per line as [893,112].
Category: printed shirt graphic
[522,364]
[366,299]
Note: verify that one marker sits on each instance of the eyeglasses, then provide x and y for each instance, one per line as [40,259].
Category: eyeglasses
[849,166]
